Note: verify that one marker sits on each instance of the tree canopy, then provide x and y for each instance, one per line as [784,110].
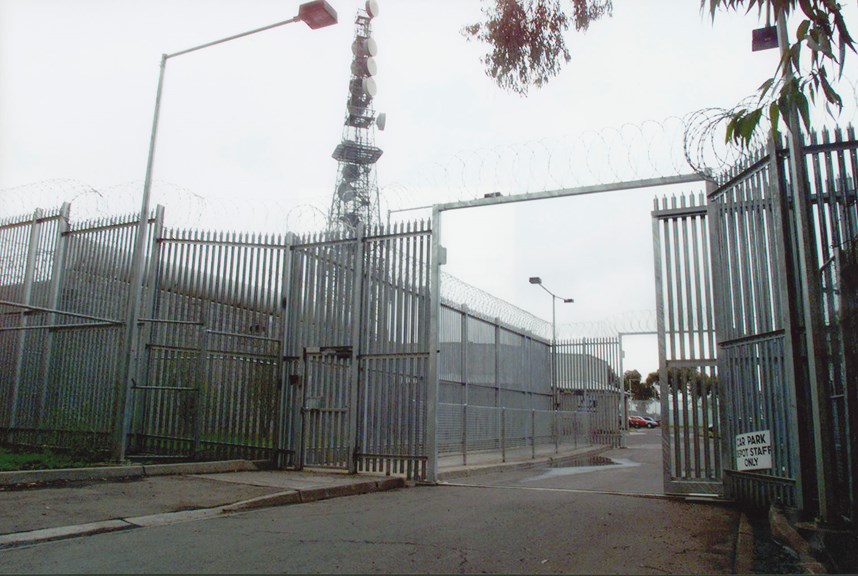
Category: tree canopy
[822,37]
[688,379]
[527,49]
[632,380]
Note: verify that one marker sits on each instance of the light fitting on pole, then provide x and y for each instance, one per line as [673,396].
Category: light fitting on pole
[317,14]
[535,280]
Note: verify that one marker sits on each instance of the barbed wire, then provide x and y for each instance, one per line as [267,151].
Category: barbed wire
[458,294]
[649,149]
[614,154]
[707,152]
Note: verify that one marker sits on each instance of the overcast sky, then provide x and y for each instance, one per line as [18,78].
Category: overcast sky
[248,127]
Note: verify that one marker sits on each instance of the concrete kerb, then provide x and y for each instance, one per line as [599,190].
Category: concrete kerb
[744,554]
[27,477]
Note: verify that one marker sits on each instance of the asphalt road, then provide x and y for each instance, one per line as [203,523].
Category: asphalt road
[633,470]
[534,521]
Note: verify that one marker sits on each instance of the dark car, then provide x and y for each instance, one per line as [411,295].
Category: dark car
[638,422]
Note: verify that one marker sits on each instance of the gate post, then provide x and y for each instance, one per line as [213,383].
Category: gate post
[285,388]
[60,245]
[808,300]
[791,322]
[354,369]
[808,278]
[26,297]
[134,410]
[437,258]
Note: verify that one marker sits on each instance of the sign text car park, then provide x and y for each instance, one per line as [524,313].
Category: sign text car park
[754,450]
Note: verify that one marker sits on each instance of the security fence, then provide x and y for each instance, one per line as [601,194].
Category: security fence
[62,294]
[782,226]
[307,351]
[495,390]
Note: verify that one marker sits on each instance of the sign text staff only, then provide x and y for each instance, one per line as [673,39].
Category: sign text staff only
[754,450]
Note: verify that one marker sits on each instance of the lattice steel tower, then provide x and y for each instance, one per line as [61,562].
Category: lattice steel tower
[355,198]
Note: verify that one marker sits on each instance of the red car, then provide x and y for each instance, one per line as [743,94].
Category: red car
[638,422]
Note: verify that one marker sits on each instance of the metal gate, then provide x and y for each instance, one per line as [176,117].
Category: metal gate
[325,407]
[356,349]
[207,385]
[750,211]
[690,391]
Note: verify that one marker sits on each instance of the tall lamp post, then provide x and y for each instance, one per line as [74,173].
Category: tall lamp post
[316,14]
[554,298]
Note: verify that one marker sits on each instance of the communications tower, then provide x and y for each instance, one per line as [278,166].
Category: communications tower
[355,198]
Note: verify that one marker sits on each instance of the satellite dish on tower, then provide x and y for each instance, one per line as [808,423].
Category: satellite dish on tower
[346,192]
[365,67]
[372,8]
[365,47]
[351,171]
[381,121]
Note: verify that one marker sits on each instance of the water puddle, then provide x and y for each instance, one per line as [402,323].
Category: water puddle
[591,464]
[589,461]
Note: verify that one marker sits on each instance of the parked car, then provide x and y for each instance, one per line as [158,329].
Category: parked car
[637,422]
[652,422]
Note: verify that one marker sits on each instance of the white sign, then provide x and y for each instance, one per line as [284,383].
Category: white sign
[754,450]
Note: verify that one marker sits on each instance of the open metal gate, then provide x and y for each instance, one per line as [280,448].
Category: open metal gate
[690,391]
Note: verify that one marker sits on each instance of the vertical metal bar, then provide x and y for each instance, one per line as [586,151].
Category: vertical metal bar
[808,267]
[503,434]
[533,433]
[26,297]
[201,378]
[658,241]
[124,381]
[434,348]
[785,270]
[258,312]
[355,371]
[61,243]
[464,434]
[281,443]
[149,309]
[208,310]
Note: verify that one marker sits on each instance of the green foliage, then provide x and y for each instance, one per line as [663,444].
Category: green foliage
[526,41]
[527,49]
[640,390]
[688,379]
[44,459]
[822,36]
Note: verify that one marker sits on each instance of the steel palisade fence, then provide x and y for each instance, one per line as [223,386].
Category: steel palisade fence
[783,226]
[494,395]
[308,351]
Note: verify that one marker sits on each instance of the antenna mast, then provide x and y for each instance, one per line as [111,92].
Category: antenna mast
[355,198]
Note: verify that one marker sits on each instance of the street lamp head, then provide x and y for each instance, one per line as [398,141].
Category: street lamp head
[568,300]
[535,280]
[317,14]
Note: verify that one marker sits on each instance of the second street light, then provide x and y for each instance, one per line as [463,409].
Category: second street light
[554,298]
[316,14]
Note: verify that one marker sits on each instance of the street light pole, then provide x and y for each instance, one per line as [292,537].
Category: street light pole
[316,14]
[554,298]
